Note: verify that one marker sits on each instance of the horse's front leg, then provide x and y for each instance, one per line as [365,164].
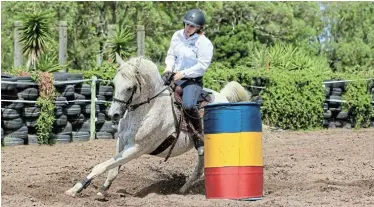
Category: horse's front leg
[126,155]
[112,174]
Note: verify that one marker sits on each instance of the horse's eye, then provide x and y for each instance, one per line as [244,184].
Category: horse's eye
[129,88]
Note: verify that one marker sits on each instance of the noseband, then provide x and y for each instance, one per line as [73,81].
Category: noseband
[128,102]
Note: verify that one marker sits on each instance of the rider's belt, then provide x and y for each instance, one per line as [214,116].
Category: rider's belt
[193,79]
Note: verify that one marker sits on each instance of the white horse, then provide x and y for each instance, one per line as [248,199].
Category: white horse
[142,129]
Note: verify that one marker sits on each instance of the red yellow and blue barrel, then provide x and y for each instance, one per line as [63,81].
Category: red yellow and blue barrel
[233,163]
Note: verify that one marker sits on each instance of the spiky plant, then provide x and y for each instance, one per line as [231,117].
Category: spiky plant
[121,41]
[35,34]
[49,63]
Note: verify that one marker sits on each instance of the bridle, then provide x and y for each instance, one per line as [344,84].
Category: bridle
[135,106]
[128,102]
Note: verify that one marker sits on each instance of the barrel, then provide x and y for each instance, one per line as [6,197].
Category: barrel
[233,163]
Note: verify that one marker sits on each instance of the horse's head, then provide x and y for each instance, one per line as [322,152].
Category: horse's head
[135,80]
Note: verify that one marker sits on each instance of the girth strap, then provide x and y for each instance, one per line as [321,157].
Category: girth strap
[164,145]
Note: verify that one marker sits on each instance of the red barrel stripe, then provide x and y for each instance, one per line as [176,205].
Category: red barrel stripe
[234,182]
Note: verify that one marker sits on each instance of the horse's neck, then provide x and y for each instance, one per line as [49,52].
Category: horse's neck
[152,96]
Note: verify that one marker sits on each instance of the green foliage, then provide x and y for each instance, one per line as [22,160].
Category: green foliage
[293,100]
[350,45]
[343,32]
[286,57]
[217,75]
[34,33]
[46,102]
[106,72]
[16,71]
[48,62]
[242,26]
[358,98]
[293,94]
[45,120]
[233,43]
[121,42]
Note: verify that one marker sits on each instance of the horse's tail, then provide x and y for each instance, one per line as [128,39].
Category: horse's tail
[234,92]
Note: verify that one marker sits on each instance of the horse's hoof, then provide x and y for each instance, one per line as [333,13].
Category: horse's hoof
[182,191]
[102,194]
[70,192]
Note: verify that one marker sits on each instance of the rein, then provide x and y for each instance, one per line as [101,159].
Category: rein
[135,106]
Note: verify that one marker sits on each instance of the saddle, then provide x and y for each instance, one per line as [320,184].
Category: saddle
[204,99]
[181,119]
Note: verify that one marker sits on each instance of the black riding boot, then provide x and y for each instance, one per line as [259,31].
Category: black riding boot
[198,135]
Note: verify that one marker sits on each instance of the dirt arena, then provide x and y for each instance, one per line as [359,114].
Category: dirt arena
[325,168]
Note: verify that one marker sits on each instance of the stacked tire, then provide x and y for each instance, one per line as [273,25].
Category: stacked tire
[75,104]
[105,129]
[72,110]
[258,84]
[334,115]
[17,118]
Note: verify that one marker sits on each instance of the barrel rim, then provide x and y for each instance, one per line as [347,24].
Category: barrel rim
[233,104]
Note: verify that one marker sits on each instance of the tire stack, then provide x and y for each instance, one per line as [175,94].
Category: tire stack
[18,119]
[75,118]
[72,112]
[258,83]
[67,112]
[104,126]
[334,115]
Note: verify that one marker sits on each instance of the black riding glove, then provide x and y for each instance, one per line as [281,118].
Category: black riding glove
[167,77]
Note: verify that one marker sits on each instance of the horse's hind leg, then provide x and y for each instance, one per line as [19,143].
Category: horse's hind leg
[128,154]
[196,175]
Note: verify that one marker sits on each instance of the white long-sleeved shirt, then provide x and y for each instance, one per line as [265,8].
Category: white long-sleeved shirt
[191,56]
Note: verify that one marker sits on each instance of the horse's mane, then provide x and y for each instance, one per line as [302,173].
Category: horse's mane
[140,67]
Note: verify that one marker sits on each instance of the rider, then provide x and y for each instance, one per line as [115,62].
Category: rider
[188,57]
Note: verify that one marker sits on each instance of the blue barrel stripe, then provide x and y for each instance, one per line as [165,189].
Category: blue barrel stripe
[228,118]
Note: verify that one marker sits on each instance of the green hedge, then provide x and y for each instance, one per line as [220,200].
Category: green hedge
[293,99]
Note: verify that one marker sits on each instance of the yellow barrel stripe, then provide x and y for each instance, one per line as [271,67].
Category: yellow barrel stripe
[233,149]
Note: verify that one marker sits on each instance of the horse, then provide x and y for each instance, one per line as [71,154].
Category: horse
[144,108]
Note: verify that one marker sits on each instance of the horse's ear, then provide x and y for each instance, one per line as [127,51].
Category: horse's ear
[119,59]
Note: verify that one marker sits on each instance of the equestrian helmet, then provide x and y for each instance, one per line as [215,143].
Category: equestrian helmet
[194,17]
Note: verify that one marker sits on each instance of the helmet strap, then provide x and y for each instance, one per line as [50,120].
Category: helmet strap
[197,31]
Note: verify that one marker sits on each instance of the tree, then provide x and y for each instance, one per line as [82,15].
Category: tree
[240,26]
[350,37]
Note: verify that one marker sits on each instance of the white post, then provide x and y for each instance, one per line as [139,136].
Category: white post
[17,58]
[63,44]
[93,109]
[140,35]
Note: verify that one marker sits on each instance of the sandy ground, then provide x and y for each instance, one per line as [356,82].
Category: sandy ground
[325,168]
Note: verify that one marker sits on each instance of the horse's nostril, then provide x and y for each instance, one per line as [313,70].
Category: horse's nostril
[115,117]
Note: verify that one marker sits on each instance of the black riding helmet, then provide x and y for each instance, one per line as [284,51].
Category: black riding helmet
[194,17]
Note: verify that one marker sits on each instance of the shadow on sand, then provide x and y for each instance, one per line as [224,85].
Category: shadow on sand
[170,186]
